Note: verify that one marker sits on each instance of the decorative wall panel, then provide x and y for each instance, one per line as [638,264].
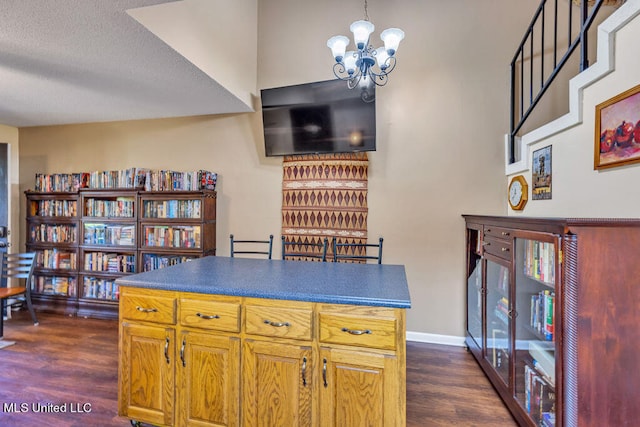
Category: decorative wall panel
[324,196]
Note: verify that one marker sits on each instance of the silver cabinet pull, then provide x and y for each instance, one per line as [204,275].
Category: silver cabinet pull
[207,317]
[184,343]
[276,324]
[356,331]
[146,310]
[304,371]
[324,372]
[166,350]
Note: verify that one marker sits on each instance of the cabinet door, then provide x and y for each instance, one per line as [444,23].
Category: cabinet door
[498,322]
[359,388]
[277,381]
[147,373]
[535,327]
[475,291]
[208,380]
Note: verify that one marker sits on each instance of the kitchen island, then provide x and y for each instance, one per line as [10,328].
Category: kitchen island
[236,341]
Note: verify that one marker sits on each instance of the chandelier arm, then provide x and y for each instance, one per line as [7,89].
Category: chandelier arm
[340,71]
[353,82]
[379,79]
[392,64]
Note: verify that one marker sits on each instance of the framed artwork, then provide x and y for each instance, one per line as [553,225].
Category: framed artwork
[617,133]
[541,174]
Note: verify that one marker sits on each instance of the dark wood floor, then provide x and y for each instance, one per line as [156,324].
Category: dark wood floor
[73,361]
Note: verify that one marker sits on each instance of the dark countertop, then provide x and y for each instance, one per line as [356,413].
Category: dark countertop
[328,282]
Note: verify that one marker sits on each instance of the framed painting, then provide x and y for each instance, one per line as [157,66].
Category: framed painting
[617,133]
[541,174]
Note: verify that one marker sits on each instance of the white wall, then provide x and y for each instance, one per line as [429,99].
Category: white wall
[577,189]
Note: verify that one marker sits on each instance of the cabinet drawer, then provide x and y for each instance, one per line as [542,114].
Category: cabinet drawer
[360,331]
[281,322]
[149,308]
[498,232]
[213,315]
[499,248]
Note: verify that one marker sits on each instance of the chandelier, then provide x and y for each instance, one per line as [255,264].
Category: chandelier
[357,67]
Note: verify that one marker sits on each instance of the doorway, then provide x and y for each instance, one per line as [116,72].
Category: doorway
[4,195]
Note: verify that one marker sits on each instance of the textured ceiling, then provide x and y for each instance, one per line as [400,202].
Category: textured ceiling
[81,61]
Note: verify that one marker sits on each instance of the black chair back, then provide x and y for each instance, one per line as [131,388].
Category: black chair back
[356,252]
[304,249]
[251,246]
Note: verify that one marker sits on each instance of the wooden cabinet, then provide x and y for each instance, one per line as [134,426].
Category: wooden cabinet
[251,361]
[87,239]
[277,384]
[540,293]
[53,233]
[176,227]
[361,354]
[359,388]
[147,362]
[208,388]
[147,377]
[107,248]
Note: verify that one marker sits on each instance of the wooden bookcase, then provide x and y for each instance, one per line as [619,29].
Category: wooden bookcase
[108,248]
[540,293]
[87,239]
[175,227]
[53,233]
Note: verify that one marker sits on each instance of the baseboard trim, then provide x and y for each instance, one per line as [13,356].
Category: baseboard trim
[435,339]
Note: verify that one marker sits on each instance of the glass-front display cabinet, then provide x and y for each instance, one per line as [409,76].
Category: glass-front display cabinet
[535,327]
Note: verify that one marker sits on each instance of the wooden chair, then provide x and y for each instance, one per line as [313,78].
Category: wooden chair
[251,246]
[299,250]
[356,252]
[16,266]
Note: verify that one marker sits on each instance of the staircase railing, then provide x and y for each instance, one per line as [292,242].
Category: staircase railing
[522,67]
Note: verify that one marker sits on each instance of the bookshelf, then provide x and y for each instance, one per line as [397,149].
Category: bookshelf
[52,233]
[86,239]
[108,248]
[176,227]
[549,291]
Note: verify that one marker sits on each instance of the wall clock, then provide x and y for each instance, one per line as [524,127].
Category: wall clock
[518,192]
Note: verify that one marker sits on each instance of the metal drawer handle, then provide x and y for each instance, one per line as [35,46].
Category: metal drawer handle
[277,324]
[356,331]
[207,317]
[504,249]
[505,233]
[184,343]
[304,371]
[324,372]
[146,310]
[166,350]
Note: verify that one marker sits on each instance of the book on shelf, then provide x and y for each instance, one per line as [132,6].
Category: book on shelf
[155,262]
[539,396]
[55,259]
[53,233]
[56,285]
[539,262]
[58,182]
[55,208]
[143,178]
[104,289]
[542,316]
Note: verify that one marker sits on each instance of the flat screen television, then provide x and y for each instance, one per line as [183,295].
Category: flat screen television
[321,117]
